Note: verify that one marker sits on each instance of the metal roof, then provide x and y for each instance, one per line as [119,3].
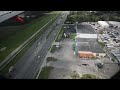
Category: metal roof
[103,23]
[89,45]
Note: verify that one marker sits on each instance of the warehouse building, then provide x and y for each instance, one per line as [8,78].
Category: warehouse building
[88,48]
[86,45]
[103,24]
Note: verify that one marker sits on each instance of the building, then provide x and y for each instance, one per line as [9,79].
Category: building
[94,36]
[103,24]
[86,45]
[88,48]
[83,54]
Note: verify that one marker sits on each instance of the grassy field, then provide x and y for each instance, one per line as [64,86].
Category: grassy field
[45,72]
[89,76]
[13,41]
[15,60]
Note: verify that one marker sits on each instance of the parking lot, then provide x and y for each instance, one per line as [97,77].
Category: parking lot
[111,38]
[85,28]
[67,62]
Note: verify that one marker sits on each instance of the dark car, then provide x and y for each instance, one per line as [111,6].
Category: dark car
[99,65]
[114,39]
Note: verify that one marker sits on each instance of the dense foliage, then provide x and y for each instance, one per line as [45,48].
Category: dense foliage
[86,16]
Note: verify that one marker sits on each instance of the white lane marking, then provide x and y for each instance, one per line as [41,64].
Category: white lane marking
[38,56]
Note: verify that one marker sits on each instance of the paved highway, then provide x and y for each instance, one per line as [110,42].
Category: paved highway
[30,63]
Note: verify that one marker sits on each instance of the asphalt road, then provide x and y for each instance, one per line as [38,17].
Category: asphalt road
[30,63]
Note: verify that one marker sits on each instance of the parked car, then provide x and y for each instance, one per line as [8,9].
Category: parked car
[99,65]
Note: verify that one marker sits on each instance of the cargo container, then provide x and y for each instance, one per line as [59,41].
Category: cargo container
[84,54]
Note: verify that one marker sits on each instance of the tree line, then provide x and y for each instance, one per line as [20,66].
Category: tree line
[94,16]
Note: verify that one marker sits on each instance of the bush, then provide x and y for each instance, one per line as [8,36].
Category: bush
[84,16]
[45,72]
[51,59]
[75,75]
[53,49]
[88,76]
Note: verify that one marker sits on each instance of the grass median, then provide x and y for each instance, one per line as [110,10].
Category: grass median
[45,72]
[17,38]
[60,35]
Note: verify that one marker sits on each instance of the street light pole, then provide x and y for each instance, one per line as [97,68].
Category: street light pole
[76,27]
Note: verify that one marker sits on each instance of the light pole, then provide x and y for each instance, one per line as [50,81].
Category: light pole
[76,27]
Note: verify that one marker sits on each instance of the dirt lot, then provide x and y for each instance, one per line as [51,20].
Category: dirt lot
[67,62]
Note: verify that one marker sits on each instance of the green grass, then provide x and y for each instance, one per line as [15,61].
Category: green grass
[89,76]
[60,35]
[72,36]
[53,49]
[101,44]
[45,72]
[75,75]
[13,62]
[4,71]
[19,37]
[51,59]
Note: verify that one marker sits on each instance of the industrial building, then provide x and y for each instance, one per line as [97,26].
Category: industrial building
[86,45]
[88,48]
[103,24]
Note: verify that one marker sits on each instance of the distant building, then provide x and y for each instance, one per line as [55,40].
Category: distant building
[94,36]
[103,24]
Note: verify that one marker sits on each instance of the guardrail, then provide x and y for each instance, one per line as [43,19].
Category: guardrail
[9,58]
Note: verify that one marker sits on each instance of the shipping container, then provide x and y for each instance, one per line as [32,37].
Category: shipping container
[83,54]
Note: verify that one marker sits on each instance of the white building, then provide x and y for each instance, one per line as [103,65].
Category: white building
[86,35]
[103,24]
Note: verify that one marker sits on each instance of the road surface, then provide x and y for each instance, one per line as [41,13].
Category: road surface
[30,63]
